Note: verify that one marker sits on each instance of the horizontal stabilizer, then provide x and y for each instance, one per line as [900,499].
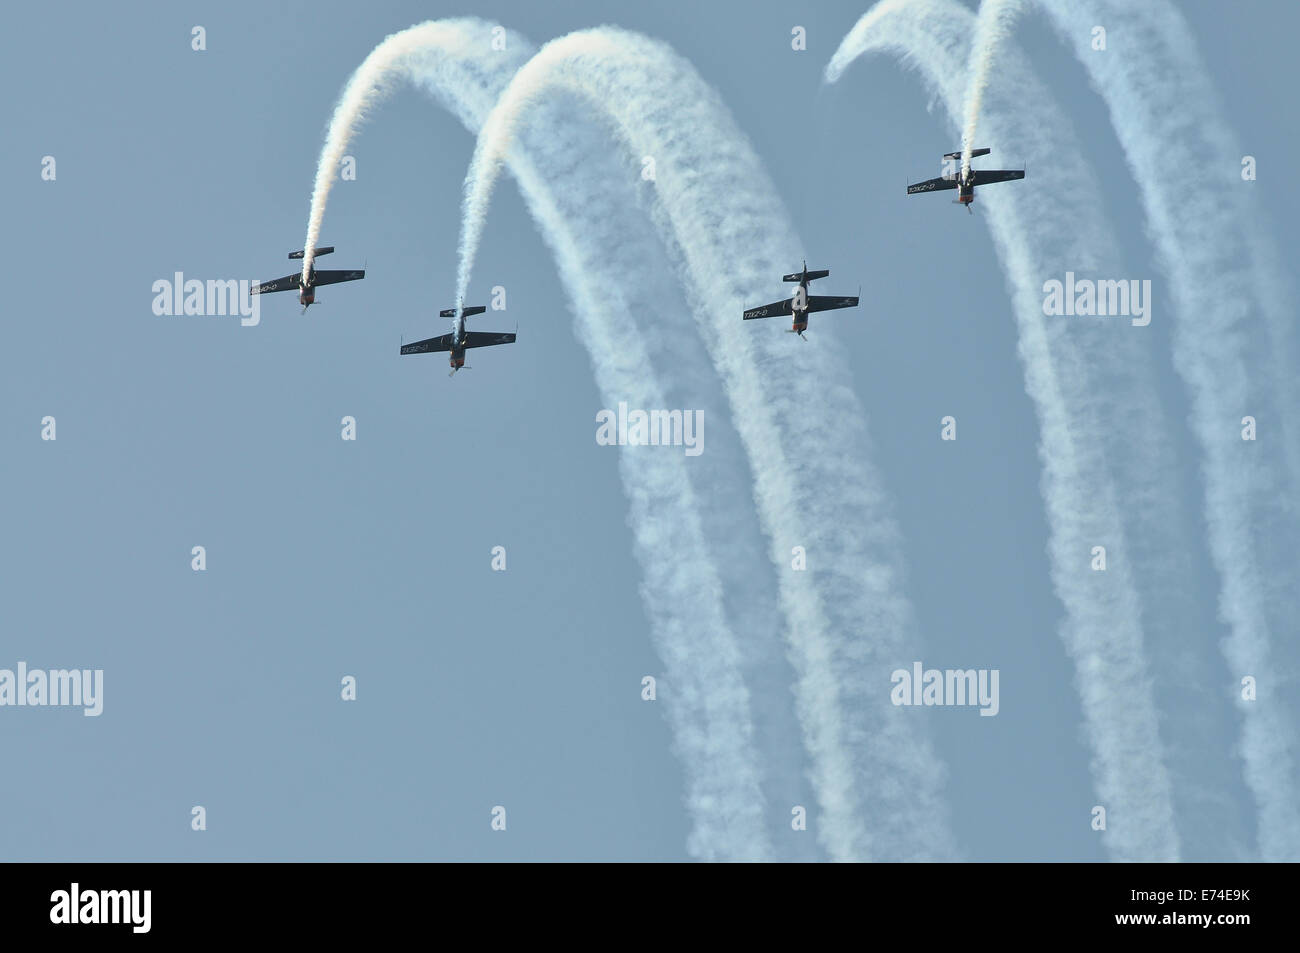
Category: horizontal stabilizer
[798,276]
[321,250]
[451,312]
[973,153]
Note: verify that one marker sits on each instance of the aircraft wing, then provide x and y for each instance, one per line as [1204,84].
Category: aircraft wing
[769,310]
[933,185]
[488,338]
[334,277]
[441,343]
[985,176]
[830,302]
[287,283]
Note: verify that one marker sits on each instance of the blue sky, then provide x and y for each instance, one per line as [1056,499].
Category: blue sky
[371,558]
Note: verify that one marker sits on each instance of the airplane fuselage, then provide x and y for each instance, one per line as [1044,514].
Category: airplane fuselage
[307,292]
[966,190]
[457,356]
[799,308]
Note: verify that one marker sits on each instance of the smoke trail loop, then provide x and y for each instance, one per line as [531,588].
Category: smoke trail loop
[706,700]
[1103,631]
[876,779]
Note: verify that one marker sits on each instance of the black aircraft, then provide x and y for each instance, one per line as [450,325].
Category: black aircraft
[801,304]
[306,290]
[459,339]
[966,186]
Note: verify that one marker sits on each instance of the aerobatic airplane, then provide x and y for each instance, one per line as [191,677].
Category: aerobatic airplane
[801,304]
[459,339]
[965,186]
[306,291]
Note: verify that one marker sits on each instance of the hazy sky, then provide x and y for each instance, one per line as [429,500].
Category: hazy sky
[372,558]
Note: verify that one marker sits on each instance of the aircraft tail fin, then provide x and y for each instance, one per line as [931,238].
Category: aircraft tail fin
[320,250]
[451,312]
[973,153]
[812,276]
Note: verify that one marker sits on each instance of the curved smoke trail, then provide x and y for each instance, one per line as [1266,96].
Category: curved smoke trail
[704,693]
[877,781]
[1232,316]
[991,29]
[1085,421]
[371,81]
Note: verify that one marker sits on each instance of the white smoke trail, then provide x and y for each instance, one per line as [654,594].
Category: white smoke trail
[703,690]
[992,26]
[876,781]
[490,151]
[1040,232]
[373,79]
[1234,347]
